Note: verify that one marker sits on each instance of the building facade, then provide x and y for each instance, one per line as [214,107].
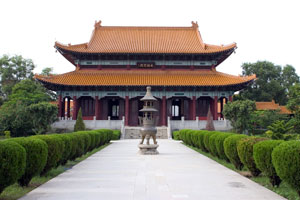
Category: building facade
[113,69]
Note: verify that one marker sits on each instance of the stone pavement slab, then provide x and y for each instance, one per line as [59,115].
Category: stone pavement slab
[177,173]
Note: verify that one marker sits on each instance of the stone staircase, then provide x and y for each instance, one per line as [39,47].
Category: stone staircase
[131,132]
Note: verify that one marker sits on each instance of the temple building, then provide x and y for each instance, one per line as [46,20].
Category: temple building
[114,67]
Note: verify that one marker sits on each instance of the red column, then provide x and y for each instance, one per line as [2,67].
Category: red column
[215,114]
[68,108]
[230,98]
[126,110]
[194,108]
[74,108]
[97,107]
[63,107]
[164,111]
[59,106]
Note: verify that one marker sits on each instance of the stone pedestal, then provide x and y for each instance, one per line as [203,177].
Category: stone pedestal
[150,149]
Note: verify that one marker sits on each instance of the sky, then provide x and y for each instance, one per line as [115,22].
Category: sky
[263,29]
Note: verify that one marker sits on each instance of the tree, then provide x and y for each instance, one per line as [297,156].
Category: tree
[42,114]
[79,125]
[264,118]
[47,71]
[272,82]
[13,70]
[294,106]
[16,114]
[209,121]
[239,114]
[277,129]
[289,77]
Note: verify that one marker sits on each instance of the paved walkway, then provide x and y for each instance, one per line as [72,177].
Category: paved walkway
[118,172]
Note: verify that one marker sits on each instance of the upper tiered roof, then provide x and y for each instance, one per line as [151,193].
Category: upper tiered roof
[124,39]
[198,78]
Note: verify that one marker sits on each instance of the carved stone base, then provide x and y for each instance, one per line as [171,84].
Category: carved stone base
[150,149]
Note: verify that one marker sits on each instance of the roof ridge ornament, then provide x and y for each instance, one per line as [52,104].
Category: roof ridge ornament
[97,24]
[195,24]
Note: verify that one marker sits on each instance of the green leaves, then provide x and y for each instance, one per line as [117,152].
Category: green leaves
[273,81]
[239,114]
[27,110]
[13,70]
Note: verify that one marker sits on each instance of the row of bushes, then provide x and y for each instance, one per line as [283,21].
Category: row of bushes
[23,158]
[276,159]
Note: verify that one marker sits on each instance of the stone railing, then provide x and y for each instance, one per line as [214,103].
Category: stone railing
[220,125]
[68,124]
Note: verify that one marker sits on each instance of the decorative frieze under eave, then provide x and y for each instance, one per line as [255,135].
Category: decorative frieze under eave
[156,94]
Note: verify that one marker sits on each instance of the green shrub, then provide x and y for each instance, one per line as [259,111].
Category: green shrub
[219,140]
[188,139]
[262,153]
[230,149]
[194,138]
[176,135]
[12,163]
[67,148]
[116,135]
[206,137]
[80,145]
[106,135]
[97,139]
[212,144]
[87,140]
[93,140]
[286,160]
[7,134]
[200,139]
[55,151]
[183,134]
[79,125]
[36,158]
[74,145]
[245,152]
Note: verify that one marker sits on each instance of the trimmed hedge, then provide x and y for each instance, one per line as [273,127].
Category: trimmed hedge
[206,137]
[262,153]
[176,135]
[22,158]
[219,145]
[36,158]
[67,151]
[213,145]
[230,149]
[245,152]
[55,151]
[286,160]
[12,163]
[200,137]
[116,135]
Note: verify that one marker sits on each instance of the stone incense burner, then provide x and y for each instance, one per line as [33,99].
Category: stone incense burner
[149,129]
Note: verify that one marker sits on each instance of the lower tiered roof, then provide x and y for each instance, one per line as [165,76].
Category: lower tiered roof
[145,78]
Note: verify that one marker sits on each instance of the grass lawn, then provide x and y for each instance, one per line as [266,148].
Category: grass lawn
[284,189]
[15,191]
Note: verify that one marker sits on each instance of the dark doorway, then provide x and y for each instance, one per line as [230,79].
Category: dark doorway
[176,109]
[87,105]
[113,109]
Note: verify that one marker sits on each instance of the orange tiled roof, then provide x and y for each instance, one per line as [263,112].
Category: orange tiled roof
[145,77]
[272,106]
[116,39]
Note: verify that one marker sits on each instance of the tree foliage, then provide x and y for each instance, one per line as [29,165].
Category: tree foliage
[273,81]
[239,114]
[13,69]
[42,114]
[23,113]
[79,125]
